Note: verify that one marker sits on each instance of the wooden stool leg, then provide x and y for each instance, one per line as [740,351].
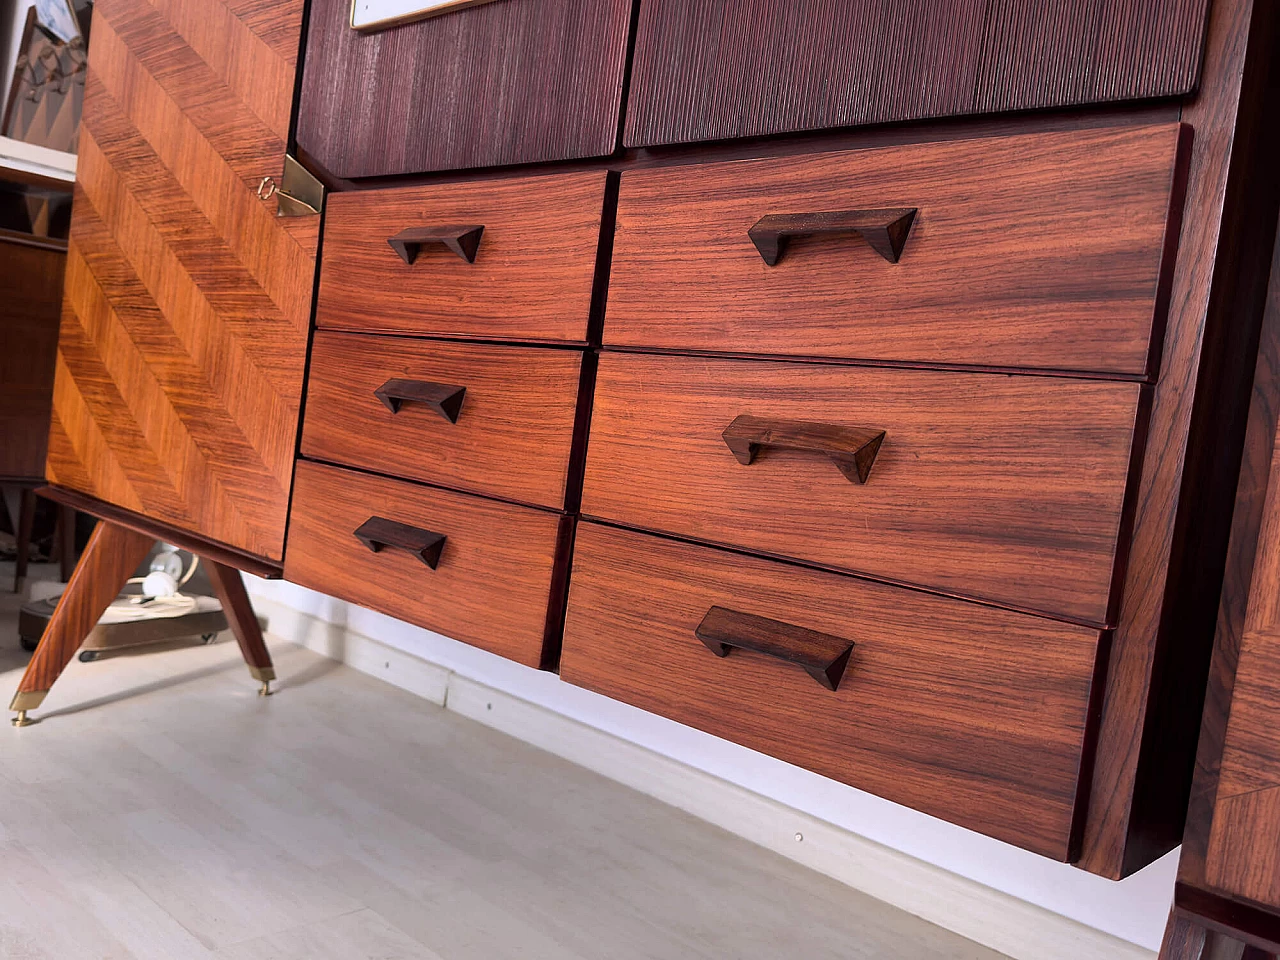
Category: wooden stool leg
[26,520]
[109,560]
[66,541]
[229,586]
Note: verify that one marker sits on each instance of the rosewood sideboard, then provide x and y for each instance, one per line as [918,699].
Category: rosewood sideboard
[862,383]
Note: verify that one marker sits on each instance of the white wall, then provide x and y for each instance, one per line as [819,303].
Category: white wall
[1134,909]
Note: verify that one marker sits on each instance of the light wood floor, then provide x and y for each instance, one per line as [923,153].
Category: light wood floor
[163,810]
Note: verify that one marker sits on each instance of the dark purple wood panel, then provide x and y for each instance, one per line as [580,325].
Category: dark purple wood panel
[714,69]
[516,81]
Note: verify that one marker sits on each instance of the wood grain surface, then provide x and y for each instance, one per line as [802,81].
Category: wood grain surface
[31,281]
[711,69]
[532,276]
[1243,856]
[1005,489]
[492,587]
[1248,599]
[109,559]
[185,324]
[1161,646]
[514,432]
[1233,830]
[513,82]
[1042,250]
[971,714]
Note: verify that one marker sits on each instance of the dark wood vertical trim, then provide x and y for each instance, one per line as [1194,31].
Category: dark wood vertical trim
[604,259]
[1161,644]
[558,603]
[1246,527]
[1169,258]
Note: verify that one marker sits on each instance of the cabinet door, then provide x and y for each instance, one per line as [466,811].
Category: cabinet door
[184,324]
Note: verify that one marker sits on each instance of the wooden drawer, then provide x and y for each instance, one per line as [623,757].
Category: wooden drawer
[713,69]
[498,579]
[1002,488]
[972,714]
[531,278]
[511,436]
[1045,250]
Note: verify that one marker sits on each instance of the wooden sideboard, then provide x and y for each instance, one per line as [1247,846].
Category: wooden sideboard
[902,451]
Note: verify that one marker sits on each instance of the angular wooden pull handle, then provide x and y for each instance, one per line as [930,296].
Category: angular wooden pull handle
[462,240]
[444,398]
[852,449]
[377,533]
[823,656]
[884,230]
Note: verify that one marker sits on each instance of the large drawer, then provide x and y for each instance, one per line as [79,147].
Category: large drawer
[496,420]
[1044,251]
[712,69]
[1003,488]
[497,579]
[972,714]
[531,276]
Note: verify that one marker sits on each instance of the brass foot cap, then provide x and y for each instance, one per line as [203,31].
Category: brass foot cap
[22,720]
[265,690]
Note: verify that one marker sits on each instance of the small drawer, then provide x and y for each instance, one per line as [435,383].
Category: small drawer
[1008,489]
[972,714]
[495,420]
[742,68]
[494,259]
[487,573]
[1044,251]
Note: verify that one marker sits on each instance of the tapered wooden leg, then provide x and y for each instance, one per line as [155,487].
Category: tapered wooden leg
[26,521]
[229,586]
[109,560]
[66,541]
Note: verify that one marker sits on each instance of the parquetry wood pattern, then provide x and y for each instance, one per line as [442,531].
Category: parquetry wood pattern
[971,714]
[1044,250]
[184,329]
[711,69]
[1001,488]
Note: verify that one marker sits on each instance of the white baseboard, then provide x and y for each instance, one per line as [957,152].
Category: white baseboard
[990,917]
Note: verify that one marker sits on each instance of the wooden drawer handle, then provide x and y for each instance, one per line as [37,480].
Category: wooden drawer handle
[462,240]
[852,449]
[823,656]
[884,230]
[377,533]
[444,398]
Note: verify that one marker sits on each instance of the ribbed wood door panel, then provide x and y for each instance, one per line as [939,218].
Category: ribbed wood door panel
[184,326]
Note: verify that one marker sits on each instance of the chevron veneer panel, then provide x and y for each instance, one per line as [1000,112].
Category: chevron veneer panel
[184,324]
